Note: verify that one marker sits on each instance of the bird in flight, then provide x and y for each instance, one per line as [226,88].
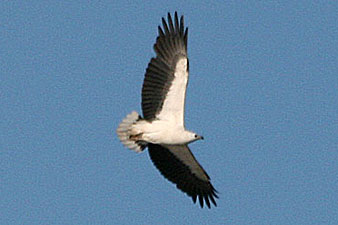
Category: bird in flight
[161,128]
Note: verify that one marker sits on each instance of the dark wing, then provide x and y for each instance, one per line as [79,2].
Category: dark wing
[177,164]
[170,47]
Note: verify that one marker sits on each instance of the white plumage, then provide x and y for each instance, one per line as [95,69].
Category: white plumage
[162,127]
[173,105]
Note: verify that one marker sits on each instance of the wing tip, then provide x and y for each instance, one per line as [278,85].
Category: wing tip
[206,198]
[173,26]
[195,187]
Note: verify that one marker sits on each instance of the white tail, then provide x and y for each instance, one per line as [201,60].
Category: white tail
[123,132]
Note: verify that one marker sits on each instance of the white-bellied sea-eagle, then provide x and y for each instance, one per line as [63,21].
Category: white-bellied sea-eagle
[162,127]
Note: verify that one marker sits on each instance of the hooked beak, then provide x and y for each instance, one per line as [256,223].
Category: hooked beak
[201,137]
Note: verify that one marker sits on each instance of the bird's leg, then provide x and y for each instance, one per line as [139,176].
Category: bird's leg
[136,137]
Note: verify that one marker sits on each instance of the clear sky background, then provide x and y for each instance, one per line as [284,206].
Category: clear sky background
[263,92]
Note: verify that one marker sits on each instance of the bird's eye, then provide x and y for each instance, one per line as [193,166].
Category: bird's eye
[196,136]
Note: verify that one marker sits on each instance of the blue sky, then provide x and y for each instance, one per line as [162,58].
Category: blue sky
[263,92]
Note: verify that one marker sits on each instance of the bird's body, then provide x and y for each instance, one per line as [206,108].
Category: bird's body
[162,127]
[161,132]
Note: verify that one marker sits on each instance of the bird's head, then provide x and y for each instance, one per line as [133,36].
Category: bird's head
[198,137]
[194,137]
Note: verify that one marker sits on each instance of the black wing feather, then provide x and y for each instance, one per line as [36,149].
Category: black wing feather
[171,44]
[177,172]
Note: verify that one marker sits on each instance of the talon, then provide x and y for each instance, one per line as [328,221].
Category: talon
[135,137]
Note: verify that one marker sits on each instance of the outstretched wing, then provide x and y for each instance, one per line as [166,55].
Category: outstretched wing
[166,78]
[177,164]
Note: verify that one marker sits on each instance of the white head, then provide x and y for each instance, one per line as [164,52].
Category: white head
[191,136]
[181,137]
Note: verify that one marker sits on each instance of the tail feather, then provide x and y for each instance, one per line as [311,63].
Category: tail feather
[123,132]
